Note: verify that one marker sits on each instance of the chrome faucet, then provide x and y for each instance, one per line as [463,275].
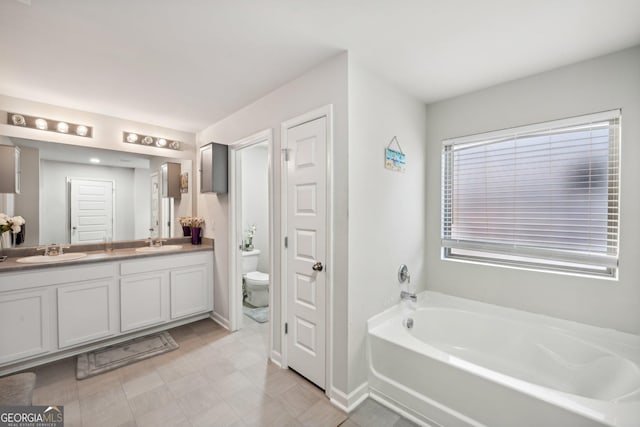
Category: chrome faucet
[155,242]
[53,250]
[410,296]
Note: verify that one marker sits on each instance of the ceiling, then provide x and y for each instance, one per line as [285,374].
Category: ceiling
[186,64]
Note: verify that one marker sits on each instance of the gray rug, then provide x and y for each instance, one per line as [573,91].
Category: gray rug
[259,314]
[117,355]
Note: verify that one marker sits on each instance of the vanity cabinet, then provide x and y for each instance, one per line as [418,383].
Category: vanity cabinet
[9,169]
[170,173]
[213,168]
[86,312]
[54,312]
[24,324]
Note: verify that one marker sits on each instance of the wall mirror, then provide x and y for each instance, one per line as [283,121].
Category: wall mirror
[72,194]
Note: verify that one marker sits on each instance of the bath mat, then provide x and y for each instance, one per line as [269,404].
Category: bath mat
[117,355]
[259,314]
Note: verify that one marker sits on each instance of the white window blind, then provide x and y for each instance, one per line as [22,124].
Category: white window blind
[544,194]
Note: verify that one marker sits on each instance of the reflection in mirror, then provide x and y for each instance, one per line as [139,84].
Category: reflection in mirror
[73,194]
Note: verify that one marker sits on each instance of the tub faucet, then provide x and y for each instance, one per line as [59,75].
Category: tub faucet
[408,296]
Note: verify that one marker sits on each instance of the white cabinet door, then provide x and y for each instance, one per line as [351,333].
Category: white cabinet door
[24,325]
[144,300]
[86,312]
[190,292]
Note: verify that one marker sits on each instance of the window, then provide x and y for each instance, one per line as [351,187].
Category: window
[543,196]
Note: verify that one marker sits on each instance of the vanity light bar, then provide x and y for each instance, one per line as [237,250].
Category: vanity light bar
[58,126]
[135,138]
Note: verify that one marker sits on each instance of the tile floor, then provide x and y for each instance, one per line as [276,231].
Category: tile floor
[216,378]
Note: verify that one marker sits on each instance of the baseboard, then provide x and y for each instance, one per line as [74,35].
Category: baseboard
[220,320]
[398,408]
[349,402]
[276,358]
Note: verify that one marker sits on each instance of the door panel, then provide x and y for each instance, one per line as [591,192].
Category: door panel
[91,210]
[306,228]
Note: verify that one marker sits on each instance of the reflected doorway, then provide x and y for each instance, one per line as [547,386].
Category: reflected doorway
[251,257]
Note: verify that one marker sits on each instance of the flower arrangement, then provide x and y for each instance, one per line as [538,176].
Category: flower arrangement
[248,243]
[196,221]
[191,221]
[10,223]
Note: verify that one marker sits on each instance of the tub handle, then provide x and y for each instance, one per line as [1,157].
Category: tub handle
[317,266]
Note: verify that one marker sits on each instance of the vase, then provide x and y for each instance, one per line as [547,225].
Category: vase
[196,239]
[186,231]
[6,241]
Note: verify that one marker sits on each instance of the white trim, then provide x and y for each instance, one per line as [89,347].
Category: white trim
[216,317]
[327,112]
[349,402]
[276,358]
[536,127]
[235,291]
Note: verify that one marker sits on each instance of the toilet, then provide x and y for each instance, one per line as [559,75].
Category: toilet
[256,282]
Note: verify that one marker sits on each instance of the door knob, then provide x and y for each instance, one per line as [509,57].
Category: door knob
[317,266]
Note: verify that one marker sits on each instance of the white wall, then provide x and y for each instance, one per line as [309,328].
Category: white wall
[323,85]
[54,198]
[386,208]
[604,83]
[255,199]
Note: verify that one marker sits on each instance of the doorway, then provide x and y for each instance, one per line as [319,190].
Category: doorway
[251,234]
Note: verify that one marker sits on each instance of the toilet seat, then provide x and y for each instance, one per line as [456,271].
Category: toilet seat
[258,277]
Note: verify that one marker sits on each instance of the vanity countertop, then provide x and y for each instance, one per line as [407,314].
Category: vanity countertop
[100,255]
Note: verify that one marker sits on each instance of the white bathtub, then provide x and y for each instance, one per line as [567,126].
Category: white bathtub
[466,363]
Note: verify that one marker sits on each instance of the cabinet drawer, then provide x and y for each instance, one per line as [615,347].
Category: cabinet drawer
[164,262]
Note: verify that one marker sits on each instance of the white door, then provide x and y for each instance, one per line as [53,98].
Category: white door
[91,210]
[306,253]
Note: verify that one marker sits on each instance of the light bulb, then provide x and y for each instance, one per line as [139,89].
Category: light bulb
[42,124]
[62,127]
[82,130]
[132,137]
[161,142]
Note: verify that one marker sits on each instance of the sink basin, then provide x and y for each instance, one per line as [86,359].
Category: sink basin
[45,259]
[163,248]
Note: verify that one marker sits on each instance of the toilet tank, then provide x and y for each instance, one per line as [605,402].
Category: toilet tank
[250,261]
